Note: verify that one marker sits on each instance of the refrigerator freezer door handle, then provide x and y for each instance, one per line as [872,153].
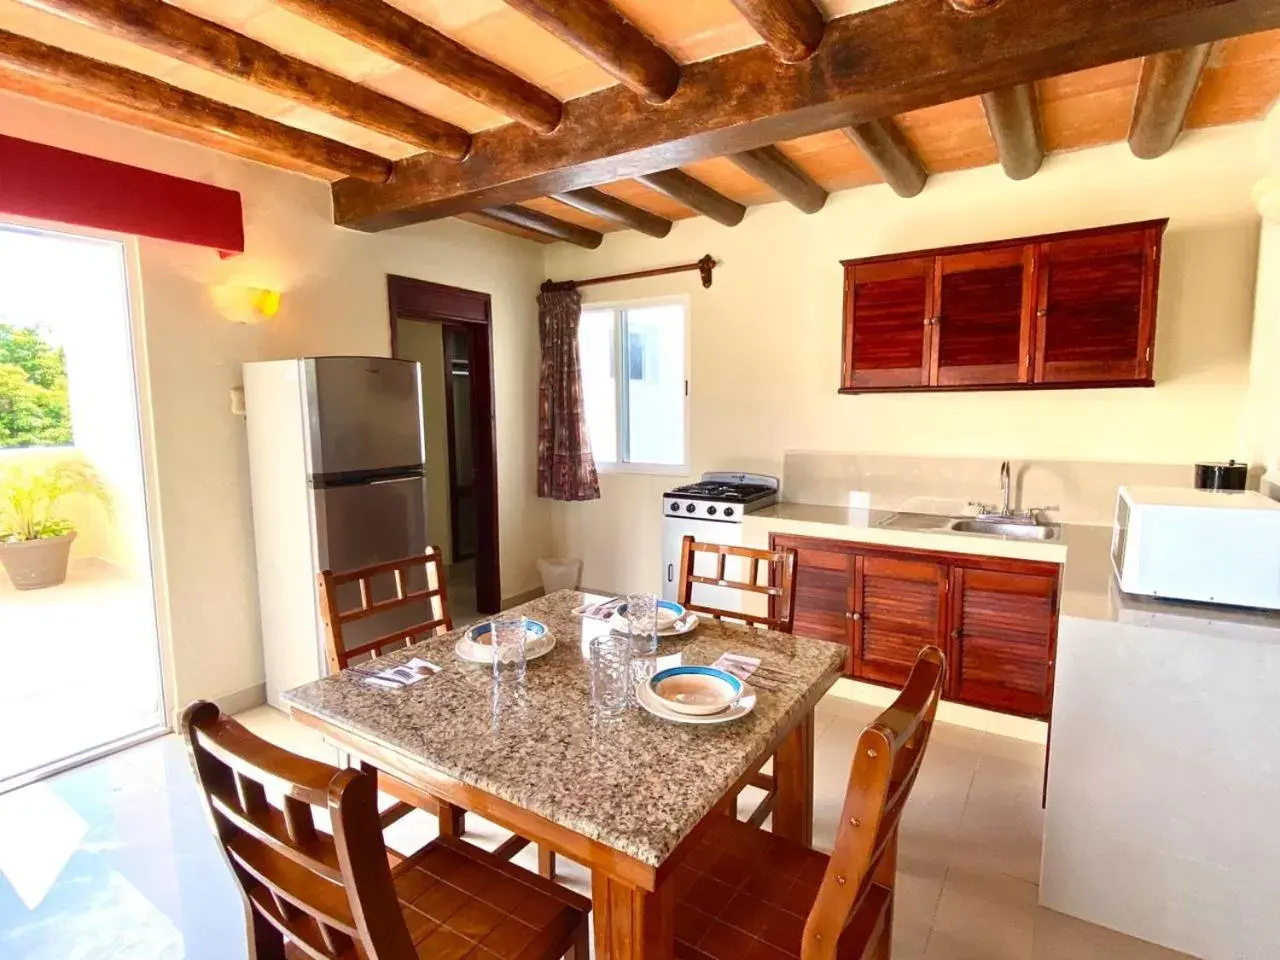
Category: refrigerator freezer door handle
[671,572]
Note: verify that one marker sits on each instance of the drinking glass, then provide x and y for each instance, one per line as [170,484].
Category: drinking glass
[610,659]
[509,639]
[642,619]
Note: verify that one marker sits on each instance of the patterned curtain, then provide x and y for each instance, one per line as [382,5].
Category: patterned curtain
[566,469]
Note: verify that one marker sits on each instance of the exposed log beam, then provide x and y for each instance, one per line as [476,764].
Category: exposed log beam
[1165,91]
[602,34]
[883,61]
[591,200]
[411,43]
[775,169]
[174,32]
[40,70]
[695,195]
[1013,115]
[546,225]
[885,145]
[793,28]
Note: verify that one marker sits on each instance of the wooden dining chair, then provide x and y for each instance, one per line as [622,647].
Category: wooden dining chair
[778,569]
[335,896]
[426,569]
[741,890]
[778,586]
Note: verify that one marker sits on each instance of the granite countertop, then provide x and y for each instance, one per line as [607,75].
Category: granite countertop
[637,783]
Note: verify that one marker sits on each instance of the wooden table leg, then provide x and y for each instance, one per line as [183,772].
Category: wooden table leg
[632,924]
[793,774]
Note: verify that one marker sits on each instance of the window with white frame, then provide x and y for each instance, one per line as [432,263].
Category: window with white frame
[634,369]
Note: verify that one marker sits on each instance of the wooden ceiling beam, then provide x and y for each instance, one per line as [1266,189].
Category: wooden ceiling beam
[174,32]
[695,195]
[792,28]
[411,43]
[1013,116]
[775,169]
[545,224]
[38,69]
[603,35]
[1165,91]
[597,202]
[887,60]
[891,153]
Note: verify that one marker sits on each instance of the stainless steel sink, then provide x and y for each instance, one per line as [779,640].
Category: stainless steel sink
[997,528]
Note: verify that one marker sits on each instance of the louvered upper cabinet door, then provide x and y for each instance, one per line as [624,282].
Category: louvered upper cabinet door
[899,611]
[1003,634]
[984,302]
[886,333]
[824,590]
[1096,308]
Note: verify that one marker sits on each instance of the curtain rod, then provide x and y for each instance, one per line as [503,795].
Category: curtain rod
[703,266]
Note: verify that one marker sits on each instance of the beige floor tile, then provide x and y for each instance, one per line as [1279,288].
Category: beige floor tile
[983,916]
[1059,937]
[1002,828]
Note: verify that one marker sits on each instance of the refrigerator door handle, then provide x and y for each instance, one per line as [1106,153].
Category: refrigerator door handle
[671,572]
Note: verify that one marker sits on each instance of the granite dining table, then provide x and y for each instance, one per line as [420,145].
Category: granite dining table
[625,796]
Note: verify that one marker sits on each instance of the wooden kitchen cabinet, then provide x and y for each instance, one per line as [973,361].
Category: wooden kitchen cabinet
[995,619]
[1074,309]
[1003,628]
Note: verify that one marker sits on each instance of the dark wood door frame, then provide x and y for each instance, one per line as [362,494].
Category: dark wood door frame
[427,302]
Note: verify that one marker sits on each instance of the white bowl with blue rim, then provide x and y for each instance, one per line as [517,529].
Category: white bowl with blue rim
[476,645]
[695,691]
[673,618]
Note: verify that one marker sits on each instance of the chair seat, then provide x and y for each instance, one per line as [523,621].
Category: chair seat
[460,901]
[744,893]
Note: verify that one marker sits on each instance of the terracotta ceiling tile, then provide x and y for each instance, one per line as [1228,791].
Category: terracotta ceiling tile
[724,176]
[951,136]
[436,99]
[1240,83]
[646,199]
[1088,108]
[69,35]
[562,211]
[299,37]
[831,160]
[481,220]
[327,125]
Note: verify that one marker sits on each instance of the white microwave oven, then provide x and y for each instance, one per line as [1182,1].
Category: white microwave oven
[1205,546]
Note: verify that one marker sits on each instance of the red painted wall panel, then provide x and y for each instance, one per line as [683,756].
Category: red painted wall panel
[49,183]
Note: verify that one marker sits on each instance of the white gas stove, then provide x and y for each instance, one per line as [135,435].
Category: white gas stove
[711,510]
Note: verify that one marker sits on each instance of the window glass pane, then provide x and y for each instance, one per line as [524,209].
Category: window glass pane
[599,390]
[655,384]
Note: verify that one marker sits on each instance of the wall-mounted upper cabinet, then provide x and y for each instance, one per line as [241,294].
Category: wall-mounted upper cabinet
[1065,310]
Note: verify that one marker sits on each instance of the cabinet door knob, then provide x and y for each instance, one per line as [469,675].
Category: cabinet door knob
[955,634]
[853,616]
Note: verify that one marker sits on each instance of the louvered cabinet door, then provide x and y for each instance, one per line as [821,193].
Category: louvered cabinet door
[886,332]
[1096,307]
[824,590]
[1003,634]
[899,611]
[984,302]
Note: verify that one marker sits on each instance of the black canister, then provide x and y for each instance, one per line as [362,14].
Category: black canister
[1222,476]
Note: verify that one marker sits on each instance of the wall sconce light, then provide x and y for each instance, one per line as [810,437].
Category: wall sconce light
[245,304]
[1266,197]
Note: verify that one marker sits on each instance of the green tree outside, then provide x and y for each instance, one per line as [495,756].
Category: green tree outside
[34,410]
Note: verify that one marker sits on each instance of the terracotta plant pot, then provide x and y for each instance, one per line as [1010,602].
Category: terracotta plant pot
[32,564]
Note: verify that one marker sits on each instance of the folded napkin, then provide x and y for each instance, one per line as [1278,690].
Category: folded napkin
[600,611]
[666,618]
[736,664]
[404,675]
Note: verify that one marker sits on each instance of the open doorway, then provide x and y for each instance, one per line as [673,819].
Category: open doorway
[447,330]
[71,473]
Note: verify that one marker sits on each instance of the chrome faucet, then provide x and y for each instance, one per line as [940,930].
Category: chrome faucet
[1008,513]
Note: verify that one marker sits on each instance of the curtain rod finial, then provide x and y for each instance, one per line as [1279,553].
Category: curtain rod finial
[705,266]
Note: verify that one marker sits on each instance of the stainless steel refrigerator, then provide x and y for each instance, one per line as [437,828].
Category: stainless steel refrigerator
[336,453]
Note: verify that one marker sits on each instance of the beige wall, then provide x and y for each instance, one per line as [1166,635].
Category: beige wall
[424,342]
[334,302]
[766,337]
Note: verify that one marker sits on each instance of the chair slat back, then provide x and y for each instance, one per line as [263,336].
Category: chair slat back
[779,585]
[319,891]
[433,597]
[885,764]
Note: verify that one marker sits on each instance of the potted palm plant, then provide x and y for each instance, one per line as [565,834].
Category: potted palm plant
[35,535]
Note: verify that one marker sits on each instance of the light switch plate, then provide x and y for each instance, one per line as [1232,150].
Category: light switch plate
[237,401]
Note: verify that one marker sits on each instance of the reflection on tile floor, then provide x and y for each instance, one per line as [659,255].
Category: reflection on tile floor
[115,860]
